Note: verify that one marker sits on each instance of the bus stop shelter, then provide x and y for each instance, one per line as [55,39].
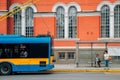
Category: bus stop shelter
[91,44]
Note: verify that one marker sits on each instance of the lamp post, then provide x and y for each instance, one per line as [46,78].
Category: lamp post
[77,54]
[91,55]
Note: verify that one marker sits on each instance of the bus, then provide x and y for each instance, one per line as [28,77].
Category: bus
[25,54]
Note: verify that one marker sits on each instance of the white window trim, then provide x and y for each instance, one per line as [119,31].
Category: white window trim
[57,5]
[2,13]
[23,22]
[20,5]
[71,39]
[108,3]
[76,5]
[116,3]
[109,39]
[23,15]
[80,47]
[89,13]
[66,7]
[14,5]
[44,14]
[111,6]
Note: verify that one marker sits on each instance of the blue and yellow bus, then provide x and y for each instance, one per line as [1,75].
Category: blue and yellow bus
[25,54]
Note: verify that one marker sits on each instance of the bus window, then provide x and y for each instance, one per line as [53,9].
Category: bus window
[23,52]
[5,51]
[39,50]
[15,52]
[0,52]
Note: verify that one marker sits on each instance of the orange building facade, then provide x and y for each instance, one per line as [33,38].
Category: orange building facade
[67,21]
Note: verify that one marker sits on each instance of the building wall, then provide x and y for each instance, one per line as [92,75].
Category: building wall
[3,5]
[44,25]
[3,23]
[3,27]
[89,27]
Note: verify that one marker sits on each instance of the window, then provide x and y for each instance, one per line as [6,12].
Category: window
[72,13]
[116,58]
[29,22]
[117,21]
[61,55]
[40,50]
[9,51]
[105,21]
[60,14]
[1,51]
[34,50]
[17,21]
[66,21]
[71,55]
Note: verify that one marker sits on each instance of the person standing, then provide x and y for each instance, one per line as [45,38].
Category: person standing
[106,59]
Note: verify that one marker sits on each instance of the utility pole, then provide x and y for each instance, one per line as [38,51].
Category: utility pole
[77,54]
[91,55]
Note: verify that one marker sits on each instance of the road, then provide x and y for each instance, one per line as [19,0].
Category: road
[63,76]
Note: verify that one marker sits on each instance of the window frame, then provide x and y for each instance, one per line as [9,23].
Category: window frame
[117,21]
[17,21]
[61,55]
[72,23]
[105,21]
[71,55]
[29,19]
[60,22]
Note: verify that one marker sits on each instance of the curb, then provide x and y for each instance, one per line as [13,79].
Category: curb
[80,70]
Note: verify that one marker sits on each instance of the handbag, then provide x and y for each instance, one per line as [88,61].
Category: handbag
[109,58]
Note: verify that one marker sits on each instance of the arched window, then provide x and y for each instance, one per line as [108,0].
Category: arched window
[29,21]
[60,14]
[117,21]
[105,21]
[17,21]
[72,19]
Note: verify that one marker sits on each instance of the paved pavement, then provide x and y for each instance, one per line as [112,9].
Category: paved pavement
[81,68]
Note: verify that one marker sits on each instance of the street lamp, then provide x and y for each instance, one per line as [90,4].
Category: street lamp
[77,54]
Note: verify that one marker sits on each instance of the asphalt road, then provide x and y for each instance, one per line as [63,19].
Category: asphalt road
[62,76]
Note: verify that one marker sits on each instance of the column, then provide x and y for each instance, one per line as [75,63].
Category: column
[66,23]
[111,22]
[23,22]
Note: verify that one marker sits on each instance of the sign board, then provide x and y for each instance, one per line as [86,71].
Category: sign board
[114,51]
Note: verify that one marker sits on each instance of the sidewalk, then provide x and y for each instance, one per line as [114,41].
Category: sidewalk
[73,68]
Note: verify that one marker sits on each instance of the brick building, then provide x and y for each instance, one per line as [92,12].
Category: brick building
[67,21]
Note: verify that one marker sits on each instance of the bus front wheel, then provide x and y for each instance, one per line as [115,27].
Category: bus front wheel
[5,69]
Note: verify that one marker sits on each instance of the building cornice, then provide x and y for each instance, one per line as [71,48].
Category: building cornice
[44,14]
[80,47]
[109,39]
[2,12]
[89,13]
[67,39]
